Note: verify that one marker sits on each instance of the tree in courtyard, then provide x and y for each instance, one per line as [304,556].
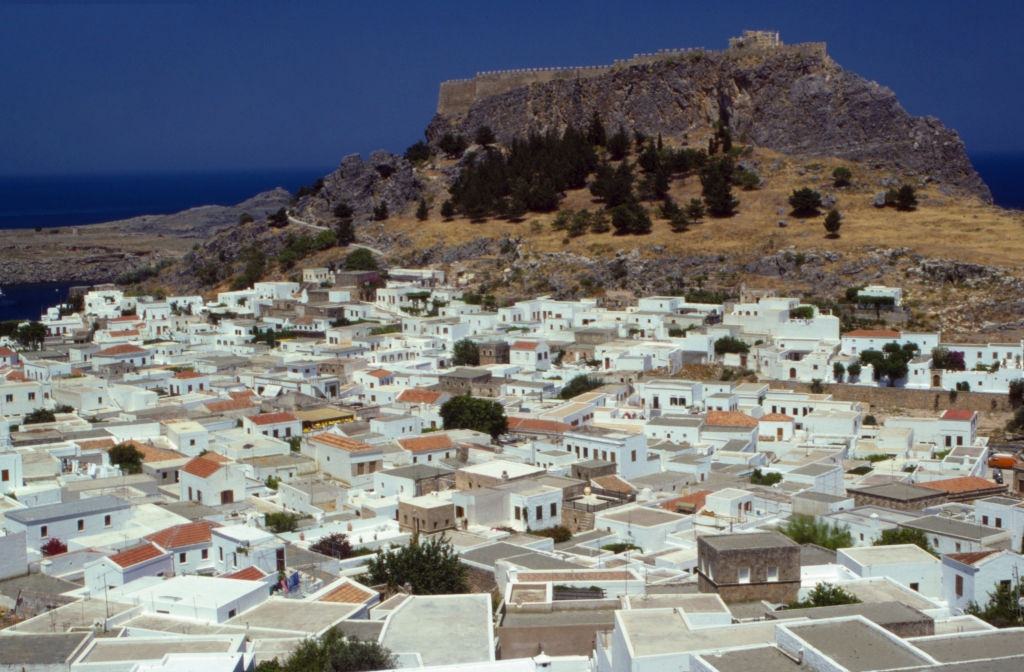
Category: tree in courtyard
[904,535]
[428,567]
[578,385]
[1003,609]
[465,353]
[826,595]
[481,415]
[334,545]
[333,652]
[808,530]
[127,457]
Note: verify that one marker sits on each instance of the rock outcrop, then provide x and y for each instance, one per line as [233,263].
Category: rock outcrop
[793,99]
[205,220]
[363,184]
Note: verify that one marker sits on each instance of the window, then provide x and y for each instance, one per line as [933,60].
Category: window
[220,553]
[958,547]
[984,520]
[632,456]
[107,520]
[182,557]
[5,475]
[959,586]
[999,522]
[773,574]
[540,512]
[744,575]
[915,586]
[554,509]
[43,531]
[518,513]
[205,554]
[81,524]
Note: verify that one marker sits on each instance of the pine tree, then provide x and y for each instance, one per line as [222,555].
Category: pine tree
[422,211]
[833,220]
[447,210]
[618,145]
[716,184]
[595,131]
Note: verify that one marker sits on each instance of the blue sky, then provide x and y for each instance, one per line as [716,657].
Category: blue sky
[93,87]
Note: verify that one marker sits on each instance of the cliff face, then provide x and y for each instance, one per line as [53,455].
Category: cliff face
[792,99]
[383,178]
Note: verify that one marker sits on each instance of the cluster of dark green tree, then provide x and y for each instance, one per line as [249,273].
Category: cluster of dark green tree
[476,413]
[891,362]
[333,652]
[1003,609]
[825,595]
[28,335]
[425,566]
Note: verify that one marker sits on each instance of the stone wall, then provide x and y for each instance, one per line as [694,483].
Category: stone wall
[930,400]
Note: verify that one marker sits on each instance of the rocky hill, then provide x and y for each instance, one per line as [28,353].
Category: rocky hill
[790,98]
[205,220]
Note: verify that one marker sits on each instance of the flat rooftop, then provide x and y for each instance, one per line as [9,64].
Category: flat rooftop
[108,650]
[294,615]
[973,646]
[443,629]
[882,613]
[889,555]
[857,646]
[643,516]
[747,541]
[760,658]
[53,649]
[656,632]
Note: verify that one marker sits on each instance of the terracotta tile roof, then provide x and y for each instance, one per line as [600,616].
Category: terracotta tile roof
[153,453]
[272,418]
[872,333]
[247,574]
[124,318]
[428,443]
[380,373]
[187,534]
[348,593]
[201,467]
[224,405]
[576,575]
[343,442]
[185,375]
[525,345]
[694,500]
[7,352]
[961,414]
[614,484]
[961,484]
[124,332]
[776,417]
[971,558]
[419,395]
[242,394]
[123,349]
[15,376]
[537,425]
[730,419]
[136,554]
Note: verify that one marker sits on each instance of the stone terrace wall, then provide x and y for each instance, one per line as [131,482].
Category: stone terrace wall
[931,400]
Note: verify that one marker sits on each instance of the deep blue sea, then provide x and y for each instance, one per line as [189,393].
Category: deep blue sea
[29,202]
[67,200]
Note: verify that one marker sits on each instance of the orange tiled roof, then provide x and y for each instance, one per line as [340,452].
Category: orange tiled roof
[872,333]
[93,444]
[185,375]
[201,467]
[247,574]
[419,395]
[958,414]
[343,442]
[537,425]
[380,373]
[224,405]
[776,417]
[153,453]
[428,443]
[961,484]
[348,593]
[242,394]
[971,558]
[123,349]
[124,318]
[730,419]
[524,345]
[136,554]
[694,499]
[7,352]
[125,332]
[272,418]
[187,534]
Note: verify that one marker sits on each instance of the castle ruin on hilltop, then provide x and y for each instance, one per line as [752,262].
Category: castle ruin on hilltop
[456,96]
